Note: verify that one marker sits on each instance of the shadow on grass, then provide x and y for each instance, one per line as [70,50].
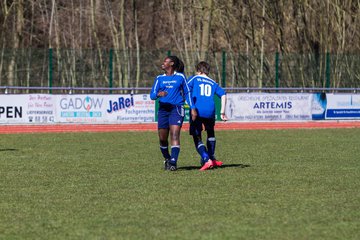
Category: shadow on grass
[7,149]
[187,168]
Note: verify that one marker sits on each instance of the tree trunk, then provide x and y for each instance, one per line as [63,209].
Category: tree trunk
[137,44]
[94,10]
[19,24]
[262,48]
[206,23]
[28,62]
[124,46]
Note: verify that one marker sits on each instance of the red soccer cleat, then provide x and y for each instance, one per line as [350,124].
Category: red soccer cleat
[217,163]
[207,165]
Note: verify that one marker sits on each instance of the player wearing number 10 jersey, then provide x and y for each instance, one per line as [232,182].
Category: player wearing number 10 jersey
[203,89]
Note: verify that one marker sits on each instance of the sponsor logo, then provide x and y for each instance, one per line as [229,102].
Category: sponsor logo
[120,103]
[81,107]
[87,103]
[273,105]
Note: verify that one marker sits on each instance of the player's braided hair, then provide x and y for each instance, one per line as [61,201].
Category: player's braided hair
[178,64]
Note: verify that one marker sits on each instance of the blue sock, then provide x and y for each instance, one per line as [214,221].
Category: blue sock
[165,152]
[175,150]
[201,149]
[211,143]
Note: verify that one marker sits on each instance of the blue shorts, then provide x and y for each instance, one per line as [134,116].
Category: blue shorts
[196,126]
[169,114]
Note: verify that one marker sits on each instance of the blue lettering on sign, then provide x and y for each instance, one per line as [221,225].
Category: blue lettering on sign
[121,103]
[273,105]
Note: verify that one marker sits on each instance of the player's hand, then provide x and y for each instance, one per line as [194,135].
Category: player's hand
[193,114]
[162,94]
[223,117]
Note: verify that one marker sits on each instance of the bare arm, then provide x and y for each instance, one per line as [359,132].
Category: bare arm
[223,106]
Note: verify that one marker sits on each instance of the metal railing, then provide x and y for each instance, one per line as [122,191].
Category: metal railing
[129,90]
[301,90]
[110,68]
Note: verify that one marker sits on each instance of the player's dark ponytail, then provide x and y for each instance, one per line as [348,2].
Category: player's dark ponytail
[178,64]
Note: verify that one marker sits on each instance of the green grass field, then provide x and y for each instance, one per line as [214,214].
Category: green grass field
[276,184]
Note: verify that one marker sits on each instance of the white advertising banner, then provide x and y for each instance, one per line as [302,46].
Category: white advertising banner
[40,108]
[104,108]
[130,108]
[27,108]
[79,108]
[269,107]
[13,108]
[139,108]
[342,106]
[101,109]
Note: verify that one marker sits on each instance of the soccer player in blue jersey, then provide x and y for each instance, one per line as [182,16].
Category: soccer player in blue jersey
[203,89]
[171,89]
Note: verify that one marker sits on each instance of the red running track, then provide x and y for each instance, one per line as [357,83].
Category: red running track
[56,128]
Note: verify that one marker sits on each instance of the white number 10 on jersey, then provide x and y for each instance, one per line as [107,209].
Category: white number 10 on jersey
[205,90]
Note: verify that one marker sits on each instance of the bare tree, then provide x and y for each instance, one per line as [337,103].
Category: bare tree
[95,9]
[18,26]
[206,26]
[5,13]
[124,46]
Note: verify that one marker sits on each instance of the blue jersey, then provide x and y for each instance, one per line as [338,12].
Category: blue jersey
[175,86]
[203,89]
